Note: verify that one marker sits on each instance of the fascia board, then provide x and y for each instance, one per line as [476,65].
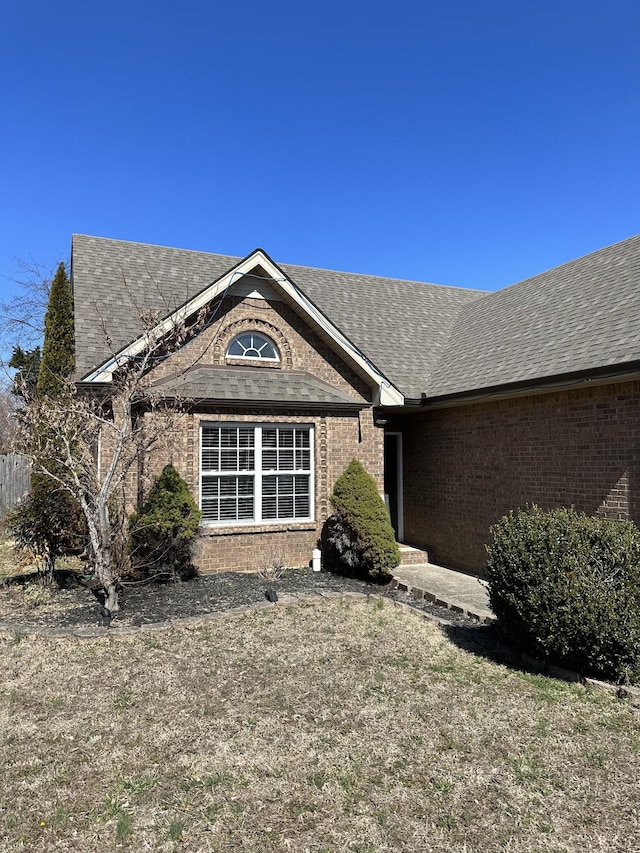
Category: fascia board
[386,393]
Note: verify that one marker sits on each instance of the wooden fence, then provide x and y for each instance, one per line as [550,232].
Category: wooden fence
[15,480]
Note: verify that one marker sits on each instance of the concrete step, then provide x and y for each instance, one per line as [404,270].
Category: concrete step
[410,556]
[446,588]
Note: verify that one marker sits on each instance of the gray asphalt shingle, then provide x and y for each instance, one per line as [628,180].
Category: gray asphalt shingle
[256,386]
[425,338]
[577,317]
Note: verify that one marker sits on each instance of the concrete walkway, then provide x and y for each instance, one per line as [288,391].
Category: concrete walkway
[447,588]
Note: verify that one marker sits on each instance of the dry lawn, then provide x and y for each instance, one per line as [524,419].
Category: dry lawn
[346,726]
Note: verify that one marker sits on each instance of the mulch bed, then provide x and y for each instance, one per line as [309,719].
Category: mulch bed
[77,607]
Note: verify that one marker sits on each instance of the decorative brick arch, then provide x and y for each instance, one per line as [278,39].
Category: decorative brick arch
[252,325]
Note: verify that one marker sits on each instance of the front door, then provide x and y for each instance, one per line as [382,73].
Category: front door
[393,480]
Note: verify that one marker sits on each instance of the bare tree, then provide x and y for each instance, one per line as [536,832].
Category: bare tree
[22,315]
[89,439]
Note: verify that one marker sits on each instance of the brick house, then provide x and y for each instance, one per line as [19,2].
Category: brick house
[462,404]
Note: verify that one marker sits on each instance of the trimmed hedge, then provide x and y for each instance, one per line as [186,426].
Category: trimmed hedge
[567,587]
[357,538]
[162,535]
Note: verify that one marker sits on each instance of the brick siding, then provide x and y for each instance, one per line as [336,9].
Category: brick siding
[337,438]
[466,466]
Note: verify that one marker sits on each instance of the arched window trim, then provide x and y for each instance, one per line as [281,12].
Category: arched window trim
[253,347]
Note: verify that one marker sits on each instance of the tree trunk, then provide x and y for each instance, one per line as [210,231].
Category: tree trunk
[104,576]
[100,536]
[48,567]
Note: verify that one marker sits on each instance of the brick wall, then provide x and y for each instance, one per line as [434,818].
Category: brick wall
[300,348]
[465,467]
[337,438]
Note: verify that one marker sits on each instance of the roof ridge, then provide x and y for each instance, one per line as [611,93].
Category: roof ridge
[454,287]
[157,246]
[602,251]
[282,264]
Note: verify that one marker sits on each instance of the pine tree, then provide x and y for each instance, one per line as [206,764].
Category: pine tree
[58,352]
[26,363]
[162,535]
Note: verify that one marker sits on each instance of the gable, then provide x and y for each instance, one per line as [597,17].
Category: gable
[102,349]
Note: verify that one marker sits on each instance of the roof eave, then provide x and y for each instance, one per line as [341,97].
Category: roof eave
[604,375]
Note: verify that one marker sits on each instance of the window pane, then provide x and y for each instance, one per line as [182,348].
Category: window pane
[285,462]
[269,437]
[253,345]
[286,438]
[302,438]
[228,437]
[227,498]
[303,460]
[210,459]
[269,460]
[246,437]
[245,460]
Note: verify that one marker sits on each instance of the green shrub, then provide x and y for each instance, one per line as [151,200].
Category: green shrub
[162,535]
[49,523]
[567,587]
[358,538]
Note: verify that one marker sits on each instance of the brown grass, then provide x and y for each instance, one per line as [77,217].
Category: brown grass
[346,726]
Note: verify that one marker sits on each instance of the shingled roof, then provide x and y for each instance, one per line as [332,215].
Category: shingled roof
[581,316]
[401,326]
[427,339]
[251,386]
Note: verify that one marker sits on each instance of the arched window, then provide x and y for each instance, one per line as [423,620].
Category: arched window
[253,345]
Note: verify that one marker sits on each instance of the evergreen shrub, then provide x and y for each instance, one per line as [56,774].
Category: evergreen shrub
[162,535]
[358,538]
[49,523]
[567,587]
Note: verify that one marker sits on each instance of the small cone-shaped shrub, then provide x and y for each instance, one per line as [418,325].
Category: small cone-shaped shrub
[358,537]
[162,535]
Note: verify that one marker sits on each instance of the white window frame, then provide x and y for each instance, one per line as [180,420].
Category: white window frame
[258,473]
[273,359]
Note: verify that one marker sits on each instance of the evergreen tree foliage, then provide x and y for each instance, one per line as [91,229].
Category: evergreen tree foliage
[58,353]
[26,363]
[47,522]
[162,535]
[358,537]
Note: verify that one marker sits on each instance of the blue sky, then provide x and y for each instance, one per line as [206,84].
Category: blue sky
[468,143]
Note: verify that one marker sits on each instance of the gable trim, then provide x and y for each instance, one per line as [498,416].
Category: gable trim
[386,394]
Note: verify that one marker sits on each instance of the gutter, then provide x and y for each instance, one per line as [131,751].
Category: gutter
[544,385]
